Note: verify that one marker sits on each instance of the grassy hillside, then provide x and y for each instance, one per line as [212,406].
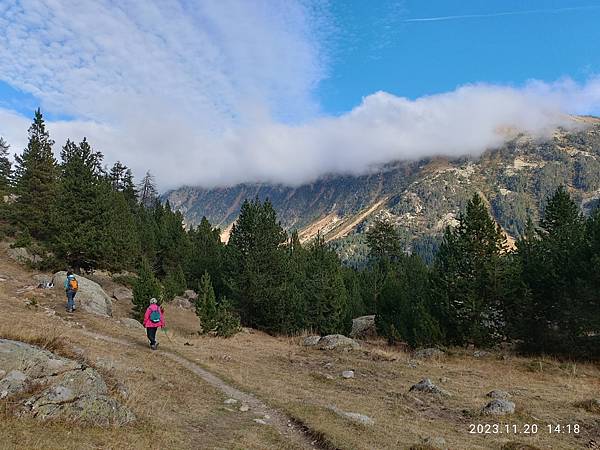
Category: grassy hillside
[301,383]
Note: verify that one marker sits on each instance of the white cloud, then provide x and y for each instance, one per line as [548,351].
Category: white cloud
[220,92]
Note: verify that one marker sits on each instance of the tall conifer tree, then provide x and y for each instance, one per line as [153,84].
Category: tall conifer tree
[36,180]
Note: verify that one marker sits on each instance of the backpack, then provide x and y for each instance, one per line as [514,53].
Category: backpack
[73,285]
[155,316]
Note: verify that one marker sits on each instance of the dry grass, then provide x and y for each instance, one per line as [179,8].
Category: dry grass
[303,382]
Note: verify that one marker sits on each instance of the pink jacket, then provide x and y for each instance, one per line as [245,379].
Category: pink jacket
[148,323]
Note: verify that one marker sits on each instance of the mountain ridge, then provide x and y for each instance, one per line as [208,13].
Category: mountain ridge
[420,197]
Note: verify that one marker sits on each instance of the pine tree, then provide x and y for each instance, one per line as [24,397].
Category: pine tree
[404,307]
[36,180]
[384,241]
[206,255]
[5,168]
[256,267]
[145,288]
[324,290]
[471,278]
[555,259]
[82,219]
[174,283]
[206,305]
[123,243]
[147,191]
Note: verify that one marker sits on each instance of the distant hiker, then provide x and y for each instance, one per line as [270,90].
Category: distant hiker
[71,288]
[153,319]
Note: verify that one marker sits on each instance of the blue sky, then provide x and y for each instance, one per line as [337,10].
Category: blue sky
[215,93]
[377,50]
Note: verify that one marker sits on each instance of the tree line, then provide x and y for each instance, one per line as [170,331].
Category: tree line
[540,293]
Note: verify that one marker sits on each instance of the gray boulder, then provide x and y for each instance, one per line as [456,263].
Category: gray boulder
[13,382]
[337,342]
[426,386]
[22,255]
[311,341]
[190,294]
[121,293]
[429,353]
[181,302]
[66,390]
[497,393]
[363,327]
[90,296]
[131,323]
[499,407]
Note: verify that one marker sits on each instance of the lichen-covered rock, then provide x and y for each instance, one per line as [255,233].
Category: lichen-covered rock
[426,386]
[337,342]
[363,327]
[90,296]
[65,389]
[311,341]
[499,407]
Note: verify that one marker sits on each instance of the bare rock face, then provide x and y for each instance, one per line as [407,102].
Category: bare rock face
[363,327]
[64,389]
[121,293]
[90,296]
[337,342]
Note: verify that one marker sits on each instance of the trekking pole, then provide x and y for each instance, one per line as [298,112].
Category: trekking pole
[166,334]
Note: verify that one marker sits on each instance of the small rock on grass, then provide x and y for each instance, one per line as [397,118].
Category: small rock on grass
[499,394]
[425,385]
[354,417]
[260,422]
[348,374]
[499,407]
[244,408]
[436,442]
[230,401]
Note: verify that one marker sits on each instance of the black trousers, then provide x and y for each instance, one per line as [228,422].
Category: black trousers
[151,332]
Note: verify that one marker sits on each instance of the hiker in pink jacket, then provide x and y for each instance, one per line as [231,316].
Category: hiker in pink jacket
[153,319]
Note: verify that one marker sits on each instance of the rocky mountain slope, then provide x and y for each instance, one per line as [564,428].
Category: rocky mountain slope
[421,197]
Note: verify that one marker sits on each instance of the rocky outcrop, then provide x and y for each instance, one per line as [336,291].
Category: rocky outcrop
[22,255]
[90,296]
[363,327]
[181,302]
[121,293]
[190,294]
[311,341]
[337,342]
[62,388]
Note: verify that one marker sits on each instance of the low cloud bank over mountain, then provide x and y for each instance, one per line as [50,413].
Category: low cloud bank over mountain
[199,99]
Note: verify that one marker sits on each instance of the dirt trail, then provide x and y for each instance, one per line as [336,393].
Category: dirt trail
[284,424]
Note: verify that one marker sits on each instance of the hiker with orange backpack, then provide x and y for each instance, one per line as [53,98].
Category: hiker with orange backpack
[153,319]
[71,288]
